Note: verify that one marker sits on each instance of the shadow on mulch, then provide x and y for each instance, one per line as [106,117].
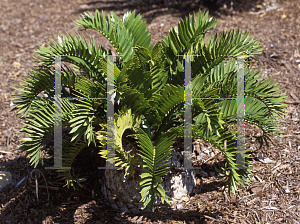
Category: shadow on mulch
[84,205]
[63,205]
[180,8]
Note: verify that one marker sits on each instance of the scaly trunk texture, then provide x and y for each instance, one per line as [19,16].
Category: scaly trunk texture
[122,195]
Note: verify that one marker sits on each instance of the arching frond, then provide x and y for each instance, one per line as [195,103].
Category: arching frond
[39,126]
[123,35]
[189,31]
[79,52]
[155,158]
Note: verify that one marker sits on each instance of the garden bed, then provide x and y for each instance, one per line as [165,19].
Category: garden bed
[274,194]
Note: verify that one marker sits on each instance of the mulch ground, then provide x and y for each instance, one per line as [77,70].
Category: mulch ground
[274,194]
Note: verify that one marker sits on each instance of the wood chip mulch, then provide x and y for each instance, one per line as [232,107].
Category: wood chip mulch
[273,197]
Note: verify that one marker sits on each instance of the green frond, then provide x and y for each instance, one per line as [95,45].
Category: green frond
[155,166]
[168,100]
[233,175]
[158,67]
[89,88]
[37,82]
[82,121]
[135,100]
[131,31]
[138,71]
[39,126]
[189,30]
[217,49]
[74,50]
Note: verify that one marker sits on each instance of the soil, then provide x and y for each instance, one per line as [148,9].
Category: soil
[274,196]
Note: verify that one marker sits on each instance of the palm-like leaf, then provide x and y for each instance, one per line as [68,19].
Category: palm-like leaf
[155,158]
[131,31]
[39,126]
[150,83]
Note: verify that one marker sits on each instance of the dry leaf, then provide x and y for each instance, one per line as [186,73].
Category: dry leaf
[16,64]
[265,160]
[283,16]
[263,14]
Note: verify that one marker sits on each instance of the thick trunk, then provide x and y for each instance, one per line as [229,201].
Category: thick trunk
[121,193]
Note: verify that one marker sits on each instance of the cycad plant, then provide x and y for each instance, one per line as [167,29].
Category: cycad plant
[149,96]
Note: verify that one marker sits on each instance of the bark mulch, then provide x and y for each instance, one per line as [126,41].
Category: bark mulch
[273,196]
